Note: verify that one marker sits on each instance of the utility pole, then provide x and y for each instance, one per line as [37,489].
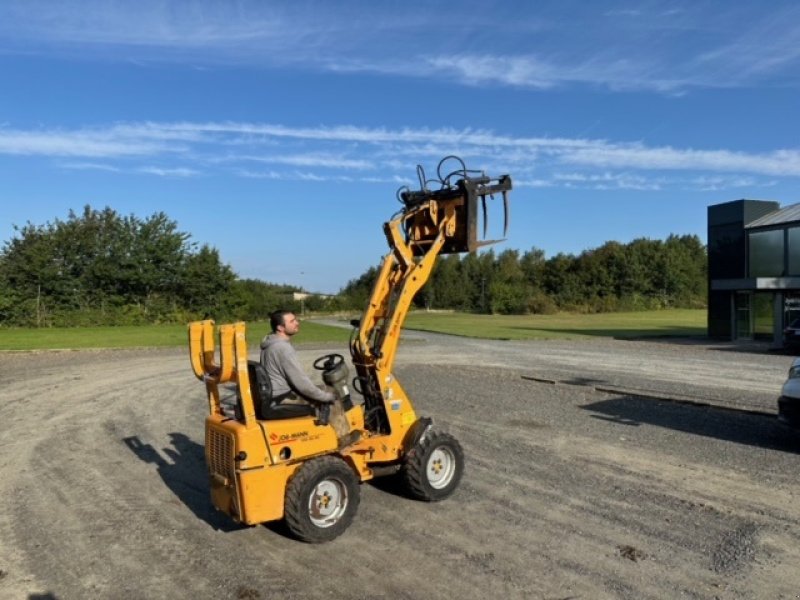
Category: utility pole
[302,298]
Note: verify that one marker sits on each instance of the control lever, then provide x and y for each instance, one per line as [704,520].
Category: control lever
[323,414]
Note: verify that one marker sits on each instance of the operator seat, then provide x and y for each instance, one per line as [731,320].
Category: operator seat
[261,390]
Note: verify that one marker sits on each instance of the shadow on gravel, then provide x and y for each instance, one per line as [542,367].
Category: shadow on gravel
[751,348]
[686,338]
[185,474]
[390,484]
[708,421]
[740,346]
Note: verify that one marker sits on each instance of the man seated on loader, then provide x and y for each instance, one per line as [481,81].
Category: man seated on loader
[290,384]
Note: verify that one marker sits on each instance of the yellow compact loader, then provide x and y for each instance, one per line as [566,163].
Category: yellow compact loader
[268,462]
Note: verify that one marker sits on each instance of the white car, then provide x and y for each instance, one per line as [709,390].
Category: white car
[789,402]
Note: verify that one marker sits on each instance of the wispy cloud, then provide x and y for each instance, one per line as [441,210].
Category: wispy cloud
[311,160]
[146,23]
[608,181]
[85,143]
[296,176]
[275,175]
[524,71]
[350,153]
[768,45]
[88,166]
[779,162]
[613,45]
[716,183]
[167,172]
[149,170]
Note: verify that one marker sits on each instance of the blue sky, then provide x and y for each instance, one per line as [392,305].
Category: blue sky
[279,132]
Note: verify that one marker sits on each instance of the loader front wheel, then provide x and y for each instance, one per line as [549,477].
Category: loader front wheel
[433,467]
[321,499]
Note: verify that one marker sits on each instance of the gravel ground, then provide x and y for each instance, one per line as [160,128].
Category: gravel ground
[598,469]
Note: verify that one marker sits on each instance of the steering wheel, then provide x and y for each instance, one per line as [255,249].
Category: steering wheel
[328,362]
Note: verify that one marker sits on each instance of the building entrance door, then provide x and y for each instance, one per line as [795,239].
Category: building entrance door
[743,315]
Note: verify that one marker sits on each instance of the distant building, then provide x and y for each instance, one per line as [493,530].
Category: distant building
[305,295]
[301,297]
[753,269]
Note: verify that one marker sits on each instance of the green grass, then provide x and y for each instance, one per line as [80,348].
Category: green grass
[559,326]
[564,325]
[148,336]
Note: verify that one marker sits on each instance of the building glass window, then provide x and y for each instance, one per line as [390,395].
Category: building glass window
[763,315]
[794,251]
[726,252]
[766,253]
[744,323]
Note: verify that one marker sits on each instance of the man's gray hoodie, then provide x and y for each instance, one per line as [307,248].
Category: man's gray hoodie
[279,358]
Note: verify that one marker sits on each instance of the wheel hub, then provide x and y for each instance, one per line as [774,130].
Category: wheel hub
[441,467]
[327,503]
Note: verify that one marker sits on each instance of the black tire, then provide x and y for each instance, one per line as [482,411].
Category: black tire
[433,467]
[321,499]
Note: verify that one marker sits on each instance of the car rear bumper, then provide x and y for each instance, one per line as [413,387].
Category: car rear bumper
[789,411]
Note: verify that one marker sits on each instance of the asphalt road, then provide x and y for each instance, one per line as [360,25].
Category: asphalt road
[580,482]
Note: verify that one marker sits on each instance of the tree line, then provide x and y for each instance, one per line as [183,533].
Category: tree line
[102,268]
[641,275]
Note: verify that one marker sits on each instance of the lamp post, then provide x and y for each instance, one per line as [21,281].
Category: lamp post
[302,298]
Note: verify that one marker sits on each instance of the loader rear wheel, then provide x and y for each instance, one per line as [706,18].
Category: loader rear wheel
[433,467]
[321,499]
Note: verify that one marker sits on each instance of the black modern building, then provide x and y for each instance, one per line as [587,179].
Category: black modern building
[753,269]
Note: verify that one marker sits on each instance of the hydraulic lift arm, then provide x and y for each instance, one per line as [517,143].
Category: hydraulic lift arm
[443,221]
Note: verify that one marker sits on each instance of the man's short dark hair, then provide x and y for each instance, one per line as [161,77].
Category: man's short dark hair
[278,317]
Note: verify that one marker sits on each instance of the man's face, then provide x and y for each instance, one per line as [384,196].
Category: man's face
[290,324]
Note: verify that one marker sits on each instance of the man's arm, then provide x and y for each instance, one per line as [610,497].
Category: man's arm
[299,381]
